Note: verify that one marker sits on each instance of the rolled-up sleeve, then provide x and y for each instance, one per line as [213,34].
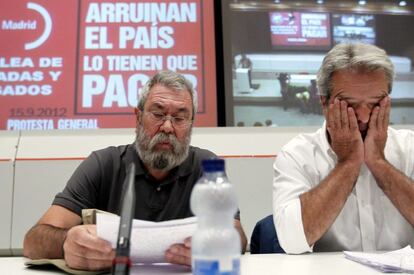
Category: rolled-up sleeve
[289,182]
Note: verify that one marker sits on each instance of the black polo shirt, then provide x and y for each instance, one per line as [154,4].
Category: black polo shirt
[98,182]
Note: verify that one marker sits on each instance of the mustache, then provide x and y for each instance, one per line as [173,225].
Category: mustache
[163,138]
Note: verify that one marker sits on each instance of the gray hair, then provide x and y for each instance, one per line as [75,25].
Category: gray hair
[171,80]
[357,56]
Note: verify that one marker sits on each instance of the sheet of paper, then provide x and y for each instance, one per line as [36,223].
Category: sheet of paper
[149,240]
[401,260]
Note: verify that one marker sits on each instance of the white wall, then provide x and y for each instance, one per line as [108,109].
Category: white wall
[8,144]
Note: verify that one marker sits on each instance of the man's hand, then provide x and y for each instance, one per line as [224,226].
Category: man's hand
[342,126]
[179,253]
[377,133]
[84,250]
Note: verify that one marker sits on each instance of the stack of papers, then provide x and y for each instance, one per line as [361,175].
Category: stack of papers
[397,261]
[149,240]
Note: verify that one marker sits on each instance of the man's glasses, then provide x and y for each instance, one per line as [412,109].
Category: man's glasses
[159,118]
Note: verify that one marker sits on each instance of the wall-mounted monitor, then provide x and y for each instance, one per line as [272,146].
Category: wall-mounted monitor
[353,28]
[300,30]
[292,39]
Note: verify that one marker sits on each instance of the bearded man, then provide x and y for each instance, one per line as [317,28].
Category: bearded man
[167,168]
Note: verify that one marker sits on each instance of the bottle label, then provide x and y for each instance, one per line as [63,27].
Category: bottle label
[228,266]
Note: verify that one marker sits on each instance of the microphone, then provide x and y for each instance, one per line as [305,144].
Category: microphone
[122,263]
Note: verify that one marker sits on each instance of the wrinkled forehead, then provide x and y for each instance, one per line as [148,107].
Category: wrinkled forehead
[356,83]
[164,97]
[358,72]
[358,77]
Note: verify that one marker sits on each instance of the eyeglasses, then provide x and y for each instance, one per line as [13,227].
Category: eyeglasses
[159,118]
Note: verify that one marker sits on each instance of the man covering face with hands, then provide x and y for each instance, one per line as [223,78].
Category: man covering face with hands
[348,186]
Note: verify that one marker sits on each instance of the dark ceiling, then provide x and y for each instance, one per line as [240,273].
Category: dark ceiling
[371,6]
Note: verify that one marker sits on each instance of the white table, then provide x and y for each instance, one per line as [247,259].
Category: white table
[275,264]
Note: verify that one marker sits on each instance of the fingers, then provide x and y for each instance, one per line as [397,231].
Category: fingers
[380,115]
[353,123]
[344,134]
[330,117]
[87,244]
[384,116]
[373,120]
[344,114]
[338,115]
[187,242]
[84,250]
[377,133]
[91,242]
[92,254]
[178,254]
[81,263]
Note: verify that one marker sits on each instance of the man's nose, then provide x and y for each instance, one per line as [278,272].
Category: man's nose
[363,113]
[167,126]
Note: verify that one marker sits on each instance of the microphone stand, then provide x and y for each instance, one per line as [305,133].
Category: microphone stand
[122,263]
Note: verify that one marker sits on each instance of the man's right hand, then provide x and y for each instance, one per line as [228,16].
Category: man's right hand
[346,140]
[321,205]
[84,250]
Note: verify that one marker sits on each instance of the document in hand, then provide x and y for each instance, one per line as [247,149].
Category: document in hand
[396,261]
[149,240]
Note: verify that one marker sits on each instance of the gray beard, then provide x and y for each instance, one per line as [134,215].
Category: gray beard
[161,159]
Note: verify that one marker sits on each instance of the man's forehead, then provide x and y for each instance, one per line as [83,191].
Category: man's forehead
[161,96]
[358,74]
[352,80]
[160,90]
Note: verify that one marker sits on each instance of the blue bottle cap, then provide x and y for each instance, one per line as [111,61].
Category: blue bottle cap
[213,165]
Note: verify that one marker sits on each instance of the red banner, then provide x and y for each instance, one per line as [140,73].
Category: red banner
[80,64]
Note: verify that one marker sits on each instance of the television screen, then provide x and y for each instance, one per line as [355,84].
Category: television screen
[305,30]
[353,28]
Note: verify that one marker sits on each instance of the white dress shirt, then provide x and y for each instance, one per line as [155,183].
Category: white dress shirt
[367,222]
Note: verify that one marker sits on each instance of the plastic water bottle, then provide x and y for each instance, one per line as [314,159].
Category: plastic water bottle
[216,243]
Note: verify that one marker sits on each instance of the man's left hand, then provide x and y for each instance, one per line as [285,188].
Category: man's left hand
[179,253]
[376,138]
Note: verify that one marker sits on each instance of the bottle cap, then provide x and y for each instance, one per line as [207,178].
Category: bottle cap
[213,165]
